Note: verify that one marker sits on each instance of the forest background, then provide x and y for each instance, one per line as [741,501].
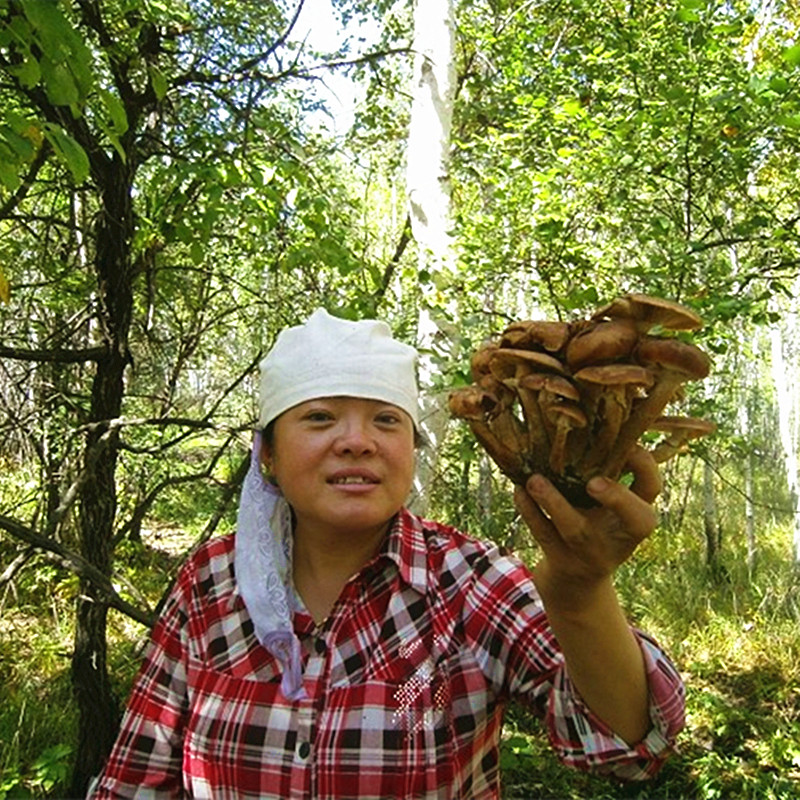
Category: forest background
[176,187]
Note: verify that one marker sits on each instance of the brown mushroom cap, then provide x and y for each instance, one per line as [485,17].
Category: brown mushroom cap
[479,363]
[471,402]
[561,387]
[616,375]
[684,428]
[673,355]
[545,334]
[601,343]
[570,412]
[650,311]
[679,431]
[508,363]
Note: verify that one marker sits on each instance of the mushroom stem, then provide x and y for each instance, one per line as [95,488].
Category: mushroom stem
[641,417]
[475,405]
[566,418]
[528,389]
[509,462]
[612,411]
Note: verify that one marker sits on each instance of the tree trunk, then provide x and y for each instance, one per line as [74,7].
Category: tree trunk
[98,708]
[749,516]
[785,363]
[710,519]
[428,184]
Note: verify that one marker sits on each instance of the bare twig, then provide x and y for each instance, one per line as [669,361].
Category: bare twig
[78,565]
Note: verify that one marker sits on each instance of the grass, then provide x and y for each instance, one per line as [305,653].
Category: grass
[735,638]
[736,641]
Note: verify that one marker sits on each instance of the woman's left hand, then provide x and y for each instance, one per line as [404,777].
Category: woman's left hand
[583,547]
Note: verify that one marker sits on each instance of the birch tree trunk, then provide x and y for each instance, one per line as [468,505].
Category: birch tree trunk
[746,427]
[428,188]
[785,365]
[747,368]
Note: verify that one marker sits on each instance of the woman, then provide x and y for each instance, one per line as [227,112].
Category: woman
[339,646]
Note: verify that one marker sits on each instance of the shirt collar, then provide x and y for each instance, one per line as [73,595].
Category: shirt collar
[406,546]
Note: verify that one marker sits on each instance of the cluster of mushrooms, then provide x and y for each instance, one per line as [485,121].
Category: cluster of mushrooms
[571,400]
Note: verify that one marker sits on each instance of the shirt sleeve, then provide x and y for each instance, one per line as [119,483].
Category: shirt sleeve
[507,626]
[146,759]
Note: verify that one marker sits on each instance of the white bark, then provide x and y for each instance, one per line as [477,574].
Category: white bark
[749,380]
[428,188]
[785,366]
[428,159]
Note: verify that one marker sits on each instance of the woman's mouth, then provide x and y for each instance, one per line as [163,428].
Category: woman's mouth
[353,476]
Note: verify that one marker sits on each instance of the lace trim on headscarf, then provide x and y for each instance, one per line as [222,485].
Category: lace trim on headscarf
[262,560]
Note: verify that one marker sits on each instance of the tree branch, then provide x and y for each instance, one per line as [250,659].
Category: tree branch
[196,76]
[27,181]
[78,565]
[53,356]
[139,513]
[405,238]
[250,63]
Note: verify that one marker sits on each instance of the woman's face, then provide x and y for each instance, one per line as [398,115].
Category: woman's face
[344,464]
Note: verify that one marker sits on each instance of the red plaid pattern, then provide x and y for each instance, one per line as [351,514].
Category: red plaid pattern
[407,681]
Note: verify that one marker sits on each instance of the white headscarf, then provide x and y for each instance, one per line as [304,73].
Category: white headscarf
[325,357]
[329,357]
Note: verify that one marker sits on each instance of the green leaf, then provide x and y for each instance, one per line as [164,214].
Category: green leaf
[68,150]
[67,60]
[5,288]
[790,121]
[28,72]
[158,81]
[572,107]
[59,84]
[791,55]
[688,15]
[779,84]
[9,176]
[115,142]
[197,252]
[116,112]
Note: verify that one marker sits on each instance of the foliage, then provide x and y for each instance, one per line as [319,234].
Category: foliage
[164,210]
[597,148]
[736,644]
[737,647]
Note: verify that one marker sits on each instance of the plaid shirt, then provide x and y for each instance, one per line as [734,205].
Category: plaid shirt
[406,680]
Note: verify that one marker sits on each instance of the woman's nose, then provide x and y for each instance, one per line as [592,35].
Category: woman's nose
[355,436]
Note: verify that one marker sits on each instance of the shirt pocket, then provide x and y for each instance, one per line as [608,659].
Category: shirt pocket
[229,646]
[393,729]
[236,728]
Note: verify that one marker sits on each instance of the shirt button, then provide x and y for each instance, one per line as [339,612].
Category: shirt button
[320,646]
[303,750]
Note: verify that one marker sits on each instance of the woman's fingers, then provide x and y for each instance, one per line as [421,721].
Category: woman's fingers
[562,513]
[646,475]
[633,513]
[606,534]
[540,526]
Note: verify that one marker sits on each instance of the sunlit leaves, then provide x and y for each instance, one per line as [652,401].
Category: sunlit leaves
[5,288]
[68,150]
[19,142]
[158,81]
[64,62]
[650,127]
[791,55]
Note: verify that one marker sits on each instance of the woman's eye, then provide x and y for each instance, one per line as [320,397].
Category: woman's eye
[318,416]
[388,419]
